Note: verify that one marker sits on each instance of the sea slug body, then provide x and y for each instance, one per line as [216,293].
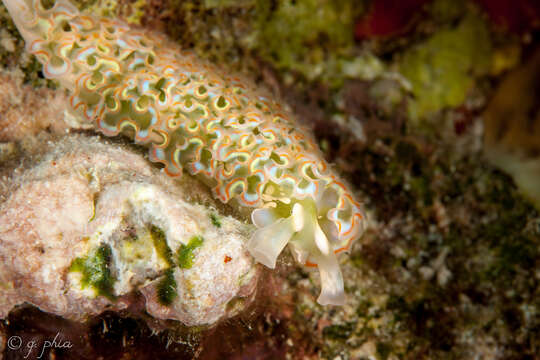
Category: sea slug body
[196,118]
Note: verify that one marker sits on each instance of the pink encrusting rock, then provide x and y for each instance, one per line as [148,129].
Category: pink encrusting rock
[27,111]
[92,226]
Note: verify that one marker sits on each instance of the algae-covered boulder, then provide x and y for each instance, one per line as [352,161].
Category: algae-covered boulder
[89,226]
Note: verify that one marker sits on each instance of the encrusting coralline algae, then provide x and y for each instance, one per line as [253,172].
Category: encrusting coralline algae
[91,224]
[223,130]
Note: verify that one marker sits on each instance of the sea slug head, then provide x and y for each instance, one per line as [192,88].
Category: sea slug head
[316,227]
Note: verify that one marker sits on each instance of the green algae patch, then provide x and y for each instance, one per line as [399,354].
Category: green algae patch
[137,12]
[312,39]
[95,270]
[160,244]
[167,289]
[211,4]
[107,8]
[215,220]
[131,11]
[185,253]
[383,350]
[442,69]
[339,332]
[309,37]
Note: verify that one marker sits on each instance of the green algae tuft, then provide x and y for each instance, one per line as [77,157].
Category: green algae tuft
[167,289]
[185,253]
[215,220]
[95,270]
[443,68]
[160,243]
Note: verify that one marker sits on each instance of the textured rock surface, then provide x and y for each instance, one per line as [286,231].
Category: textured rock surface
[26,111]
[84,195]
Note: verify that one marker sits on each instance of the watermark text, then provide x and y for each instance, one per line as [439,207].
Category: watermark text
[17,343]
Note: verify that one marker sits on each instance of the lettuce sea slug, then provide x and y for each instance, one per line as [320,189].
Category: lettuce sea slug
[194,117]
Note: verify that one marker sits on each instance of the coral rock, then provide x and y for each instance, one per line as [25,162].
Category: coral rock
[91,225]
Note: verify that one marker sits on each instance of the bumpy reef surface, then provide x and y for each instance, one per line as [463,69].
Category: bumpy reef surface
[96,219]
[429,109]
